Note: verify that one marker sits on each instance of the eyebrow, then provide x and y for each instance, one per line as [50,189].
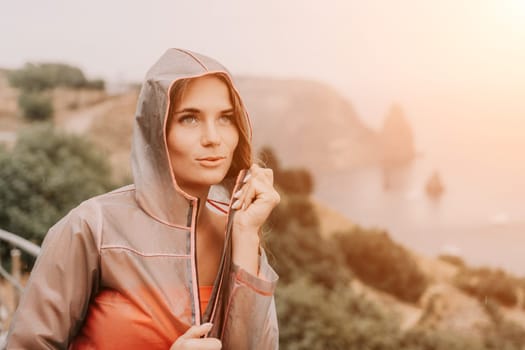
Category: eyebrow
[195,110]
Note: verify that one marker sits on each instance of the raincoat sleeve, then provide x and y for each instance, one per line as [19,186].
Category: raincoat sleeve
[251,319]
[57,296]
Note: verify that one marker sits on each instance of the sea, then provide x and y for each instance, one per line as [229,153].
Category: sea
[480,159]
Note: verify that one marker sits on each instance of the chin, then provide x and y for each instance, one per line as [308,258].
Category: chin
[210,178]
[195,177]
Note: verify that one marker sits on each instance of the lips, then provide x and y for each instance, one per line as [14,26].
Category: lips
[211,158]
[211,161]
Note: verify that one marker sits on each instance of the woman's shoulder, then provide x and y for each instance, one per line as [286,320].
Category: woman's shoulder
[92,209]
[128,190]
[124,195]
[88,216]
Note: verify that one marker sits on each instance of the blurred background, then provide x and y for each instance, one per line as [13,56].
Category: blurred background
[394,129]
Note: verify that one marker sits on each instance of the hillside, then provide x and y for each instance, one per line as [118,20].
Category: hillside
[308,124]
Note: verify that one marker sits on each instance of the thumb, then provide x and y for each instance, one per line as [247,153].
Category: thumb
[197,331]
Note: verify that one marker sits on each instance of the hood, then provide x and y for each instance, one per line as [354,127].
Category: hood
[156,189]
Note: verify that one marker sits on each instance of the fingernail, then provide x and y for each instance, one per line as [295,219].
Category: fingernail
[246,178]
[237,194]
[236,204]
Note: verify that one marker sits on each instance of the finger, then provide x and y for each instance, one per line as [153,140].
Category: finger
[238,194]
[242,195]
[197,331]
[249,195]
[256,170]
[268,174]
[237,202]
[262,173]
[263,192]
[258,182]
[203,344]
[252,191]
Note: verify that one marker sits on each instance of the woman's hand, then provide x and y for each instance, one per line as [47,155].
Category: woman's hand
[191,340]
[255,201]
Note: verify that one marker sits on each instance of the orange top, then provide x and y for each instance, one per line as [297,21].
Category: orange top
[124,317]
[205,294]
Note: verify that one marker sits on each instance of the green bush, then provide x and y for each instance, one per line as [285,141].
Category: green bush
[292,181]
[296,210]
[293,237]
[45,175]
[312,317]
[34,79]
[297,248]
[505,334]
[485,283]
[269,159]
[43,76]
[97,84]
[296,181]
[423,338]
[382,263]
[35,106]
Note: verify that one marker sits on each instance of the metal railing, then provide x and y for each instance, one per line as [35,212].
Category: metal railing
[16,265]
[17,241]
[14,277]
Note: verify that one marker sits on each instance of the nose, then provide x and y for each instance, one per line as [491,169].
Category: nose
[210,134]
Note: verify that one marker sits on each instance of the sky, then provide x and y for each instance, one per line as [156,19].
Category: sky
[374,52]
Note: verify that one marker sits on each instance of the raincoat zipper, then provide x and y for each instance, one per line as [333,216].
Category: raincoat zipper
[226,261]
[195,272]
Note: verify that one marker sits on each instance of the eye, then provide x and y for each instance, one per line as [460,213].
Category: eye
[226,119]
[188,119]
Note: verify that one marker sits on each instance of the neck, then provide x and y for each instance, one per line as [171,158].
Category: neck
[201,193]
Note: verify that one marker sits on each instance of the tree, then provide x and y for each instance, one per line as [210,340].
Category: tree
[45,175]
[35,79]
[35,106]
[43,76]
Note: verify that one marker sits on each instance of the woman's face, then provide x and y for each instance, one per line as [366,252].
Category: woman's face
[202,135]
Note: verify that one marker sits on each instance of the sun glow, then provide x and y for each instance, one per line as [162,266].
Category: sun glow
[511,13]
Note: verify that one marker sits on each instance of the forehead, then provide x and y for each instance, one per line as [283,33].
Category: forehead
[207,91]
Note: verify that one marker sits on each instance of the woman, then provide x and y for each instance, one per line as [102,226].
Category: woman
[134,268]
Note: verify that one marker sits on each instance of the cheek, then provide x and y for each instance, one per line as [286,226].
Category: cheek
[233,140]
[172,145]
[179,144]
